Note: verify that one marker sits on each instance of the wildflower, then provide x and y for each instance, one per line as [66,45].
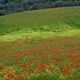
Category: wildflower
[33,70]
[48,66]
[23,65]
[18,77]
[4,68]
[5,77]
[29,64]
[56,63]
[74,56]
[65,70]
[11,75]
[44,55]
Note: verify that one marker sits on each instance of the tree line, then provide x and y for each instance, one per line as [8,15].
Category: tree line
[11,6]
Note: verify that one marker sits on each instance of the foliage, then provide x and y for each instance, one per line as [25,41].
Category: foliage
[11,6]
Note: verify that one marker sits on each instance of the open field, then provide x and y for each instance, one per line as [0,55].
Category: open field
[40,45]
[55,58]
[58,21]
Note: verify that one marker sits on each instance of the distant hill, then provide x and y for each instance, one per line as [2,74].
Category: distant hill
[13,6]
[56,21]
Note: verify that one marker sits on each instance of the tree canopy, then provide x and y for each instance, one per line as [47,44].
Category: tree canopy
[10,6]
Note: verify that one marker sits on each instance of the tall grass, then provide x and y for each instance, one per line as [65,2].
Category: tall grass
[47,22]
[36,20]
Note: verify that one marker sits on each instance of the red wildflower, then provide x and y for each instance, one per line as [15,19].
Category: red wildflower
[4,68]
[18,77]
[33,70]
[56,63]
[26,74]
[44,55]
[19,68]
[29,63]
[48,66]
[43,66]
[11,75]
[24,65]
[74,56]
[6,77]
[65,70]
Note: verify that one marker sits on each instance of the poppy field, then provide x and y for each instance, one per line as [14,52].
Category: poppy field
[54,58]
[40,45]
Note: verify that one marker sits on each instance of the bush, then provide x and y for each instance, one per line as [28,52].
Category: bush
[20,5]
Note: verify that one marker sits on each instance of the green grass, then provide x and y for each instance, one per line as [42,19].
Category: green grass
[40,45]
[57,21]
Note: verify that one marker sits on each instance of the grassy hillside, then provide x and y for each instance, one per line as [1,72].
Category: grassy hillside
[40,45]
[58,21]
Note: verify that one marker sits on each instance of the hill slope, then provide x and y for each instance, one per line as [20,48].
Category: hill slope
[58,21]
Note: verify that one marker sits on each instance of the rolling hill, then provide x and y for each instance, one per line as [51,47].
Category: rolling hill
[47,22]
[40,45]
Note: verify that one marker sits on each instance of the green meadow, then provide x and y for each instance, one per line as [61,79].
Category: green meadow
[40,45]
[46,22]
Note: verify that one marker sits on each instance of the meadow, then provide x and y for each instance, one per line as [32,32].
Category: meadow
[40,45]
[63,21]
